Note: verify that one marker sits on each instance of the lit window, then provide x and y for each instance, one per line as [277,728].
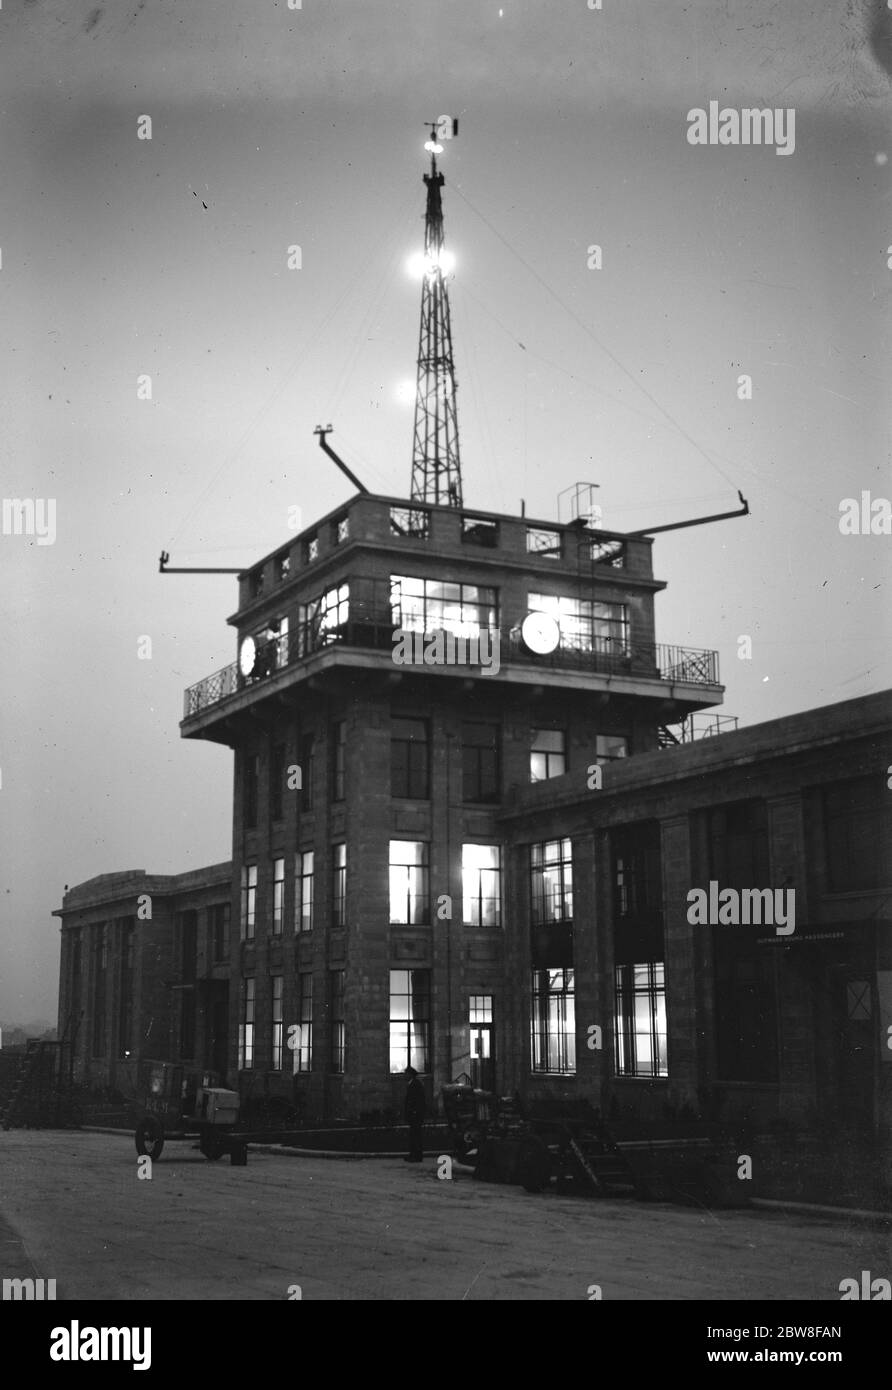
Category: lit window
[410,1010]
[246,1027]
[339,886]
[553,1021]
[640,1020]
[480,1008]
[303,1052]
[277,643]
[323,621]
[283,566]
[551,868]
[249,901]
[608,747]
[303,891]
[278,896]
[482,885]
[409,890]
[434,605]
[277,988]
[586,626]
[548,754]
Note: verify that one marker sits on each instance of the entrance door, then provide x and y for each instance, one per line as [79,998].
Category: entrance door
[856,1049]
[483,1073]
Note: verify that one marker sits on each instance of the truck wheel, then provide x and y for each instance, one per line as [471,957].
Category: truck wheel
[533,1165]
[238,1155]
[149,1137]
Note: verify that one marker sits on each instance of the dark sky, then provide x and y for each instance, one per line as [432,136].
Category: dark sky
[305,127]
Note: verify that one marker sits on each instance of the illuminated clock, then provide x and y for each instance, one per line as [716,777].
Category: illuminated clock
[247,656]
[540,633]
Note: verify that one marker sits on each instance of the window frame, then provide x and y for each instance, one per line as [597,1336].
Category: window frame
[339,884]
[476,898]
[413,1048]
[303,1053]
[475,754]
[426,610]
[248,917]
[304,890]
[547,753]
[247,1023]
[278,921]
[277,1016]
[412,781]
[338,759]
[421,896]
[553,1021]
[539,894]
[627,991]
[596,626]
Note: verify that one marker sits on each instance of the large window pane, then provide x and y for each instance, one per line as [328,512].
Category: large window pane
[482,885]
[640,1020]
[409,882]
[410,1020]
[553,1021]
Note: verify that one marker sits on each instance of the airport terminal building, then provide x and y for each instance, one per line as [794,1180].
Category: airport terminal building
[478,855]
[476,807]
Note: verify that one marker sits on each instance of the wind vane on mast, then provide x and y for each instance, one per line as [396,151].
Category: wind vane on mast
[436,461]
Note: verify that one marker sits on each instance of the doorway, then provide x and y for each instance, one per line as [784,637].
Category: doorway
[483,1074]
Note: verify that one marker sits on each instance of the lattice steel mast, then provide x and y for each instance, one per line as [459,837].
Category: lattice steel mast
[436,463]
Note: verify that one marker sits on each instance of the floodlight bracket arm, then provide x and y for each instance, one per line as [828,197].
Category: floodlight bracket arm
[322,432]
[164,568]
[743,510]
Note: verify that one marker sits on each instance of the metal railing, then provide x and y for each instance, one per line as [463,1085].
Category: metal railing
[695,727]
[375,632]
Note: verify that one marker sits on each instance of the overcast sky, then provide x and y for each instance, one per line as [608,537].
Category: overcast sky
[274,127]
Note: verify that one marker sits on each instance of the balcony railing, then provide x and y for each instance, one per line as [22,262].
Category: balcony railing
[375,632]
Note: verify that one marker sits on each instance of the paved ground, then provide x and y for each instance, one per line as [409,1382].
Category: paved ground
[381,1229]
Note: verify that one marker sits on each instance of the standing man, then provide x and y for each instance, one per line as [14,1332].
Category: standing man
[415,1111]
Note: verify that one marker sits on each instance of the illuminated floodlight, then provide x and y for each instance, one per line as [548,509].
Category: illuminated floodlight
[432,147]
[428,264]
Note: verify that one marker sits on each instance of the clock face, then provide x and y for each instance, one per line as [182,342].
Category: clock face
[247,656]
[540,633]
